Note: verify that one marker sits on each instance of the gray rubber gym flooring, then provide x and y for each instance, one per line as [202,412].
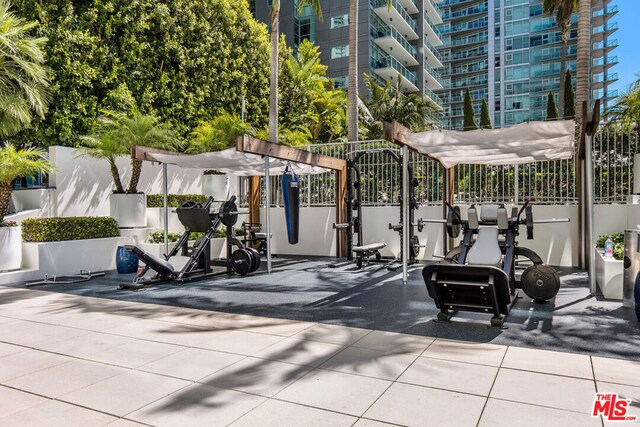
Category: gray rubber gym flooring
[304,289]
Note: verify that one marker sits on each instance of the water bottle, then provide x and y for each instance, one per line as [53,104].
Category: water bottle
[608,248]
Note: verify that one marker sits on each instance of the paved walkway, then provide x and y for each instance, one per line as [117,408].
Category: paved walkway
[72,360]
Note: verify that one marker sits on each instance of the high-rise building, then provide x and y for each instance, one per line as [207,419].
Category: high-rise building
[397,42]
[508,52]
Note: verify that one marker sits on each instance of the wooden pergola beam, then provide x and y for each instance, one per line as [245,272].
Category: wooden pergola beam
[146,154]
[395,132]
[248,144]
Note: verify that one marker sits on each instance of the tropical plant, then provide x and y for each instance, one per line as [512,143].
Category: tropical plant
[563,10]
[182,61]
[217,134]
[469,113]
[116,133]
[552,110]
[569,97]
[274,62]
[18,163]
[23,77]
[387,103]
[485,117]
[627,108]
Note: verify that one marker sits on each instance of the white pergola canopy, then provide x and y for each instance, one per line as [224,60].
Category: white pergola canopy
[234,162]
[523,143]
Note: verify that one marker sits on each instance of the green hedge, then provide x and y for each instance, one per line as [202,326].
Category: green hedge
[175,200]
[72,228]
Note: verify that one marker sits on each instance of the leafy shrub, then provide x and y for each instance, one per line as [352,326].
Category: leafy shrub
[72,228]
[175,200]
[158,237]
[618,251]
[615,238]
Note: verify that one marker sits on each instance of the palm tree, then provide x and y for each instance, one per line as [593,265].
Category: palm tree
[115,136]
[23,77]
[387,103]
[18,163]
[563,10]
[217,134]
[583,66]
[275,30]
[627,108]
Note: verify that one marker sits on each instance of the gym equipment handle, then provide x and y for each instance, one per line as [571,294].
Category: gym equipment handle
[551,220]
[433,221]
[341,226]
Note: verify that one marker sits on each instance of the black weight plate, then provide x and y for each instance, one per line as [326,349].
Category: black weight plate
[414,246]
[540,282]
[453,223]
[529,221]
[241,260]
[256,259]
[228,213]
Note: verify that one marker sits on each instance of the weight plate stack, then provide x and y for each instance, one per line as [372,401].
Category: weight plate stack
[540,282]
[255,255]
[241,261]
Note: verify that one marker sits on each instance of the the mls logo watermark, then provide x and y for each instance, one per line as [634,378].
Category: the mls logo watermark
[612,408]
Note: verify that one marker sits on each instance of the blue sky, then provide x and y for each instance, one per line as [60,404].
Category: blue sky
[628,36]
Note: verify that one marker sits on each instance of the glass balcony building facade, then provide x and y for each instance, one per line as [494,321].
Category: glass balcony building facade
[397,43]
[508,52]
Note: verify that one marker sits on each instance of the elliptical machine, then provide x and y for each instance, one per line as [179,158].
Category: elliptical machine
[479,275]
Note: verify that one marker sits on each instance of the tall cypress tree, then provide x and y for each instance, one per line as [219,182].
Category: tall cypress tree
[469,115]
[552,110]
[569,97]
[485,117]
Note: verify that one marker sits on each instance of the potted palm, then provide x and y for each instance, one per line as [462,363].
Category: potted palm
[214,135]
[115,135]
[15,164]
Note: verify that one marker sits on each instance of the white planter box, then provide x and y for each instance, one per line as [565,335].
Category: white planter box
[218,248]
[71,256]
[10,248]
[130,210]
[609,273]
[216,186]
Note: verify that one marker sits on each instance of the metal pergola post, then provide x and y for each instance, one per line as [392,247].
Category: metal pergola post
[165,201]
[267,185]
[589,207]
[405,213]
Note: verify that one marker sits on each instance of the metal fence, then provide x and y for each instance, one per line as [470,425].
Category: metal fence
[551,182]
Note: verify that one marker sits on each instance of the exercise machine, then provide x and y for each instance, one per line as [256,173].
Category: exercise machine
[254,236]
[480,274]
[184,263]
[366,253]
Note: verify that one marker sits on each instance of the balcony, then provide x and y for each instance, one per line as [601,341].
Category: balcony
[410,6]
[444,3]
[461,56]
[598,81]
[463,13]
[392,43]
[598,16]
[432,78]
[435,98]
[468,26]
[391,69]
[599,65]
[602,46]
[432,11]
[431,54]
[598,33]
[397,17]
[431,31]
[468,40]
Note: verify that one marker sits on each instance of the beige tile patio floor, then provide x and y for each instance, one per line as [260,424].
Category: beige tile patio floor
[71,360]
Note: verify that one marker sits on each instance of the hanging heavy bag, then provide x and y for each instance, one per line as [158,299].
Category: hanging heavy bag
[291,196]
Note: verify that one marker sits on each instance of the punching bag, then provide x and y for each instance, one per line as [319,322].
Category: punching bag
[291,196]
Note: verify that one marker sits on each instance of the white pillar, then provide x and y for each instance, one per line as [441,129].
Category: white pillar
[165,212]
[405,213]
[267,185]
[589,211]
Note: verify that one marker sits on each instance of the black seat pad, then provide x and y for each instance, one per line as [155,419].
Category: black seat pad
[157,264]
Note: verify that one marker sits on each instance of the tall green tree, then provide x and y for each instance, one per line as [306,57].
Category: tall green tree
[469,122]
[562,10]
[569,97]
[183,61]
[552,110]
[274,62]
[485,117]
[23,76]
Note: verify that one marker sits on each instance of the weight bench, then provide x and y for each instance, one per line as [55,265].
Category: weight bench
[365,252]
[169,268]
[482,284]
